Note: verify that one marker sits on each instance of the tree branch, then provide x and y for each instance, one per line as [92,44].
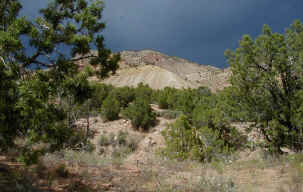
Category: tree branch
[84,57]
[31,59]
[44,64]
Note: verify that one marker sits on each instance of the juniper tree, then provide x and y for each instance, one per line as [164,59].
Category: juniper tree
[267,77]
[65,32]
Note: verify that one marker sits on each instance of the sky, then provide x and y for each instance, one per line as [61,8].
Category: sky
[197,30]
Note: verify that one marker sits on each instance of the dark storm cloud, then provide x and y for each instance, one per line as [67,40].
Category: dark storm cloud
[199,30]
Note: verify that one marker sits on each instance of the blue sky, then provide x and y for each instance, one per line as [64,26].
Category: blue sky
[198,30]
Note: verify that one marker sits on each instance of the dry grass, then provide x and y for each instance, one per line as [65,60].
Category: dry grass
[69,170]
[144,170]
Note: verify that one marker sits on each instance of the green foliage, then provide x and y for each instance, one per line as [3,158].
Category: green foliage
[125,144]
[267,80]
[78,140]
[167,97]
[8,98]
[181,100]
[144,92]
[110,109]
[179,138]
[29,156]
[140,113]
[104,140]
[122,138]
[38,105]
[231,105]
[206,137]
[124,95]
[99,93]
[162,98]
[122,143]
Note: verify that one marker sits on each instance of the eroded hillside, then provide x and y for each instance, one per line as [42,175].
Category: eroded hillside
[159,70]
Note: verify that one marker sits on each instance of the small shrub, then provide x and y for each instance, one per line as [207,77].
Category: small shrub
[110,109]
[144,92]
[124,95]
[162,100]
[132,144]
[219,183]
[104,140]
[99,93]
[29,156]
[209,142]
[141,115]
[122,138]
[122,143]
[120,152]
[179,139]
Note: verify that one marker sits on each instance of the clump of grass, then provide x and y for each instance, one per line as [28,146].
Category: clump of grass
[104,140]
[296,172]
[122,138]
[218,166]
[121,152]
[121,144]
[77,157]
[125,145]
[218,183]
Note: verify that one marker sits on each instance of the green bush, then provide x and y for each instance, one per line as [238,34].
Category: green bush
[179,138]
[124,95]
[182,100]
[144,92]
[267,79]
[212,140]
[141,115]
[31,103]
[162,100]
[104,140]
[132,144]
[126,144]
[122,143]
[99,94]
[122,138]
[110,109]
[167,97]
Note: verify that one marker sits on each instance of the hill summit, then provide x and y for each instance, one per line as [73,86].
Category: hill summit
[159,70]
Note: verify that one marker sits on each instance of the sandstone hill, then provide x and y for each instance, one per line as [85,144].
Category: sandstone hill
[159,70]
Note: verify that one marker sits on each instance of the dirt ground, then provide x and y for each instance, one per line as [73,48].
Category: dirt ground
[145,170]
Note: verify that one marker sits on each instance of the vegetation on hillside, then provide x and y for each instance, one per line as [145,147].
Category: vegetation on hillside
[46,100]
[267,81]
[39,105]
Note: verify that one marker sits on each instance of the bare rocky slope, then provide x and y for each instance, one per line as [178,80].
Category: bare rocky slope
[159,70]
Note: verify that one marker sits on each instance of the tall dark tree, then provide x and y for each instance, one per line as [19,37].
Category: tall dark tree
[267,77]
[65,32]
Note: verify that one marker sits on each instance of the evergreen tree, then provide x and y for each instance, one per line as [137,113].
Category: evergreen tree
[31,99]
[110,109]
[141,114]
[267,79]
